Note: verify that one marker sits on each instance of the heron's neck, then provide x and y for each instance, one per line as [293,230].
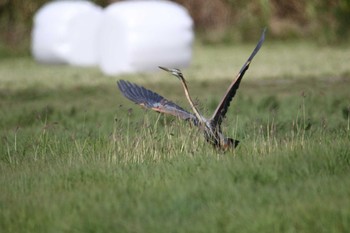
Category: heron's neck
[195,110]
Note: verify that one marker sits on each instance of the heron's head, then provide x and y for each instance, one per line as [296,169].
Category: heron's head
[176,72]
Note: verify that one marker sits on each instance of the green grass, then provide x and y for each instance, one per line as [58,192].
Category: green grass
[75,156]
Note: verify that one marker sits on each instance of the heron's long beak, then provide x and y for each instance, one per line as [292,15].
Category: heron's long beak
[163,68]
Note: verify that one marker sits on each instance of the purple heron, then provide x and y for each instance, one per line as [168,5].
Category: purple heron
[211,127]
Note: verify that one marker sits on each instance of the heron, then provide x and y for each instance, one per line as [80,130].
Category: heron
[210,127]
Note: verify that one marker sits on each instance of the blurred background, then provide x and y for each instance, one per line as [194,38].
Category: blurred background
[216,21]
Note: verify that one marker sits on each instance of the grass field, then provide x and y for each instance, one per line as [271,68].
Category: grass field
[75,156]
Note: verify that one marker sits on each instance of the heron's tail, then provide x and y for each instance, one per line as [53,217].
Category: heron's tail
[233,142]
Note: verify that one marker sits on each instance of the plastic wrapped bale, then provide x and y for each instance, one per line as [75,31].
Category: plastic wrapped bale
[65,32]
[139,36]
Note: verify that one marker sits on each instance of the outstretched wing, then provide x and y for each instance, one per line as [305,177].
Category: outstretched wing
[221,110]
[152,100]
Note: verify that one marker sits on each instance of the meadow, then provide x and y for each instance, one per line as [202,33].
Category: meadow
[76,156]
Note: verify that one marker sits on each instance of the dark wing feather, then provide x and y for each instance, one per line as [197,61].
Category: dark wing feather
[152,100]
[221,110]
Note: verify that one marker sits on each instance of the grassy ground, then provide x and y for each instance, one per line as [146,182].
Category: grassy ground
[75,156]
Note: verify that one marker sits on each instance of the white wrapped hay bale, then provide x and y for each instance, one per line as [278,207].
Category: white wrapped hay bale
[65,32]
[142,35]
